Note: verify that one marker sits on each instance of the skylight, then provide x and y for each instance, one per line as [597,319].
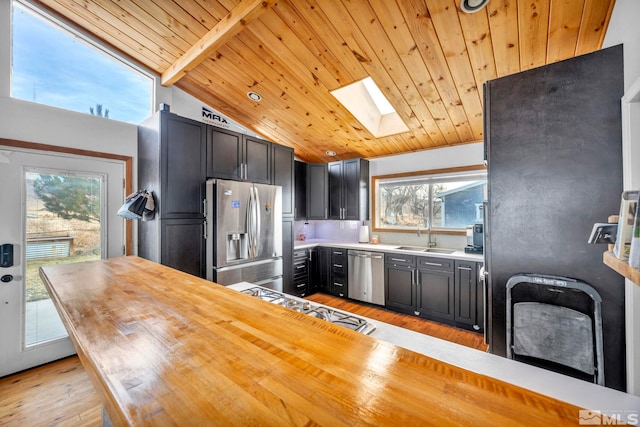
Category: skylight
[371,108]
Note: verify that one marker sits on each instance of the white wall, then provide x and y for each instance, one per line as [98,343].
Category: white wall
[623,28]
[448,157]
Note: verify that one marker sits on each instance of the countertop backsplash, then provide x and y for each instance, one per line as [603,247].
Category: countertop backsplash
[349,231]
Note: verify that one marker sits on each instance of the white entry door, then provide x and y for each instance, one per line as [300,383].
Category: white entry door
[54,208]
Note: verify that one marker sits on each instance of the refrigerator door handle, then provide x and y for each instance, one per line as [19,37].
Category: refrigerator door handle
[251,224]
[257,215]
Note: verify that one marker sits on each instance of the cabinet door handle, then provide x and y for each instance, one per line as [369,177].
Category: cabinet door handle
[337,252]
[337,284]
[204,230]
[300,266]
[464,268]
[398,259]
[301,285]
[337,265]
[432,263]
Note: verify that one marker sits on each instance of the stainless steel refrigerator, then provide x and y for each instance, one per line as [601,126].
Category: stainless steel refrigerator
[244,233]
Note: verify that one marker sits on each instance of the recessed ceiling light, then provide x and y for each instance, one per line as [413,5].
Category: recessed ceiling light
[370,107]
[254,96]
[330,153]
[471,6]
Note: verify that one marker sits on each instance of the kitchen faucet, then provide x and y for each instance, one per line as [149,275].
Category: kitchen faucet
[430,244]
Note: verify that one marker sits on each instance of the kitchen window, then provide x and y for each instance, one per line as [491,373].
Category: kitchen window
[55,65]
[446,200]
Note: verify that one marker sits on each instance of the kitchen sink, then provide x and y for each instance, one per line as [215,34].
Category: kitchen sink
[439,251]
[423,249]
[411,248]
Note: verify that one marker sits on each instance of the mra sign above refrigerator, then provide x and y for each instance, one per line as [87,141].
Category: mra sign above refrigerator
[244,233]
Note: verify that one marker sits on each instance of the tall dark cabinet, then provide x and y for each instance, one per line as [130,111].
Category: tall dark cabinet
[554,152]
[172,163]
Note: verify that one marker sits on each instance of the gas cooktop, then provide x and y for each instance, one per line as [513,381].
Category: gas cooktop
[337,317]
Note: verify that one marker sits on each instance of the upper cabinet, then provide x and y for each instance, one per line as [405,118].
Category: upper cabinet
[300,179]
[349,190]
[282,175]
[317,191]
[232,155]
[172,164]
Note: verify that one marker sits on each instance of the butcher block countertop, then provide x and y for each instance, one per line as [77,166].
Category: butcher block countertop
[166,348]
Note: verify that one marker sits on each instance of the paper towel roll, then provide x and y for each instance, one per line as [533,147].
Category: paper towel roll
[364,234]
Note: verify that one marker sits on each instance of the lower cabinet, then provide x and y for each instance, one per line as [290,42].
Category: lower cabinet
[320,270]
[287,255]
[300,283]
[434,288]
[469,303]
[399,280]
[182,245]
[328,271]
[338,285]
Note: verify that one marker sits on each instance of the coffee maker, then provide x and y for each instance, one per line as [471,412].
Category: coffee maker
[475,241]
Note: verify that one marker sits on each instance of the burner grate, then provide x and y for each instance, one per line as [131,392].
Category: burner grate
[337,317]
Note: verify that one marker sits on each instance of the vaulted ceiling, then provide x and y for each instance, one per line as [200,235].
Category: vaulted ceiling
[428,57]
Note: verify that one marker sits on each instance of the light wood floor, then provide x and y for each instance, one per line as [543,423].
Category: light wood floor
[60,393]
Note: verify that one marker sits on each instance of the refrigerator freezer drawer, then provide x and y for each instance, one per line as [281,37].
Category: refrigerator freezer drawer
[251,272]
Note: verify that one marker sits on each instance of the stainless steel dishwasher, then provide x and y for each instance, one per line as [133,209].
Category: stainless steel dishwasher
[366,276]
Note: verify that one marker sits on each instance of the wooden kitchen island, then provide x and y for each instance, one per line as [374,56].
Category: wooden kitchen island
[166,348]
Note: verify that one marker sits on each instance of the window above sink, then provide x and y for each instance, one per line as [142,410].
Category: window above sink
[443,200]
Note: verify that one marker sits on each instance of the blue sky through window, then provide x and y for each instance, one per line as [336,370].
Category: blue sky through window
[51,66]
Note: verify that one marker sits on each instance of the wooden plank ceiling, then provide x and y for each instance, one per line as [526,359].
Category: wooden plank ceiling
[429,58]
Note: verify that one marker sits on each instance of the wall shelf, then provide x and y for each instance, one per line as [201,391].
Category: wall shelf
[622,267]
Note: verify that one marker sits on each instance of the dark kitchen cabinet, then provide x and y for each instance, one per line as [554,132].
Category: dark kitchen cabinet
[300,284]
[300,179]
[183,245]
[312,268]
[421,286]
[339,285]
[348,184]
[321,269]
[232,155]
[317,191]
[287,254]
[399,284]
[468,310]
[435,287]
[172,164]
[282,174]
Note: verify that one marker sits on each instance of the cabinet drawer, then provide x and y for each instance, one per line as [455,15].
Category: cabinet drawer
[300,269]
[440,264]
[338,286]
[300,254]
[400,259]
[339,261]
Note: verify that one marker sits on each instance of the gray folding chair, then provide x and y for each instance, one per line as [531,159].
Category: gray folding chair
[555,322]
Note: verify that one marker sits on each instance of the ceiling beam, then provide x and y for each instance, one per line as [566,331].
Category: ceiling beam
[228,27]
